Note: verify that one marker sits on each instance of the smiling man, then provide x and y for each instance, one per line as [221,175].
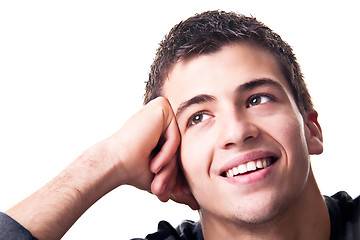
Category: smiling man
[228,129]
[245,145]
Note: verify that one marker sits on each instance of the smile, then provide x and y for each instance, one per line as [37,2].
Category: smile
[249,167]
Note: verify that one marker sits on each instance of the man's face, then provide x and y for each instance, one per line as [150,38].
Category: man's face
[244,144]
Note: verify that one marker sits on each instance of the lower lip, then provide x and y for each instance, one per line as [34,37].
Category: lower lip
[253,177]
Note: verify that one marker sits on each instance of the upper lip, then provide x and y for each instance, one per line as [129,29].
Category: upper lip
[244,158]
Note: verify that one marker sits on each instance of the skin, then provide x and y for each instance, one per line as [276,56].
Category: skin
[126,157]
[221,124]
[280,202]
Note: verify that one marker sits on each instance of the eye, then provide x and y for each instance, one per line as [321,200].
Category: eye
[198,118]
[258,99]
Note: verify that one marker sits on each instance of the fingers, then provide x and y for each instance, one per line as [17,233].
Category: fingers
[170,183]
[145,144]
[182,194]
[187,199]
[169,141]
[151,139]
[164,163]
[164,181]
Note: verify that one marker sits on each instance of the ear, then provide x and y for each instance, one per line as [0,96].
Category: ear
[314,136]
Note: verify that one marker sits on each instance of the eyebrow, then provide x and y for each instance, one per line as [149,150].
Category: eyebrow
[198,99]
[204,98]
[259,82]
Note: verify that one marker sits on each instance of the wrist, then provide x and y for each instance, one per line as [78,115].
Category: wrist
[97,171]
[51,211]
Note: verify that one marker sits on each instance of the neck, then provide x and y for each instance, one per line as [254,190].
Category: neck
[306,218]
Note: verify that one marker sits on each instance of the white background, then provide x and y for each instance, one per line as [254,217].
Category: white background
[71,72]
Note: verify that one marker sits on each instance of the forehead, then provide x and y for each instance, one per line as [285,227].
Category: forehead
[221,72]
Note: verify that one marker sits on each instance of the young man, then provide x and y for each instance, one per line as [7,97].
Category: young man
[227,129]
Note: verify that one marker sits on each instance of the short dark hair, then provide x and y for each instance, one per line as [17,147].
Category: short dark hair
[208,32]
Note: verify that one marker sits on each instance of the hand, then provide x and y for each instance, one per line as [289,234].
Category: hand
[145,151]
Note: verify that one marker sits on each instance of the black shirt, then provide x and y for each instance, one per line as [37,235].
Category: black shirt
[344,216]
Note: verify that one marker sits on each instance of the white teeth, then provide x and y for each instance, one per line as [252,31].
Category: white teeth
[265,163]
[229,173]
[235,171]
[249,166]
[242,168]
[259,164]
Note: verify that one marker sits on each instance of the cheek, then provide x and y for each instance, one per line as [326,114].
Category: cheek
[287,127]
[294,135]
[291,136]
[196,157]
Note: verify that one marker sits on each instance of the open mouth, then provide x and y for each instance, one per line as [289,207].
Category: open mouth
[249,167]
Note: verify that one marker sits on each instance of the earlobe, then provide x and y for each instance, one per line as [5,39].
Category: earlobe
[314,137]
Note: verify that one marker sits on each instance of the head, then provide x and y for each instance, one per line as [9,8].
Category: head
[210,31]
[245,117]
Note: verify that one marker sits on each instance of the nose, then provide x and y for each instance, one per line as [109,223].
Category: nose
[236,129]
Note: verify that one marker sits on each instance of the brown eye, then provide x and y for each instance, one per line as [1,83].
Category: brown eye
[257,100]
[198,118]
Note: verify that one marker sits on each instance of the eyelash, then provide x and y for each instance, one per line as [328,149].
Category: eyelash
[248,103]
[269,96]
[192,118]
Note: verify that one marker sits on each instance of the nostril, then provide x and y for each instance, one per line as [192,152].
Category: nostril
[229,145]
[232,144]
[248,138]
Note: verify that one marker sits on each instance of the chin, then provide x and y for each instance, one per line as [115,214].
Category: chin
[254,218]
[259,214]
